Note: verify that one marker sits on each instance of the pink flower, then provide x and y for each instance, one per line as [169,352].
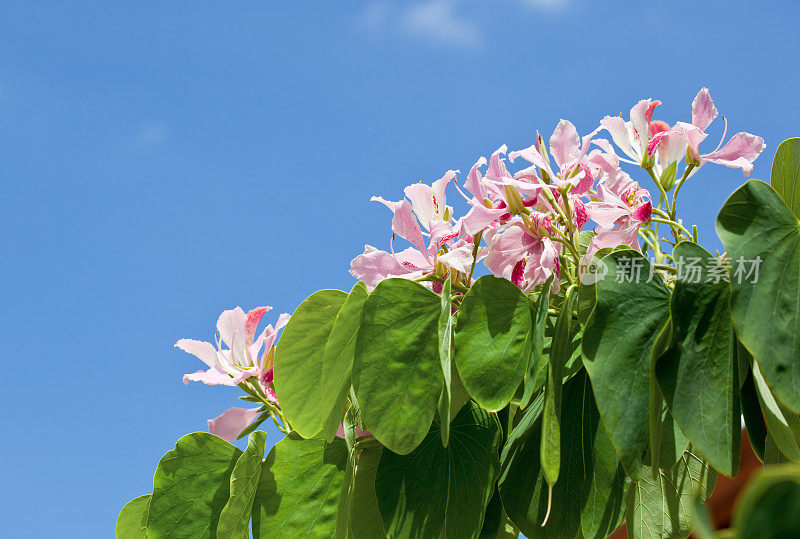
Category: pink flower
[618,209]
[739,152]
[568,150]
[522,257]
[632,136]
[246,356]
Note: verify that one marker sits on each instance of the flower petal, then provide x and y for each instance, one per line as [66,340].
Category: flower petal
[703,109]
[232,422]
[565,144]
[211,377]
[205,351]
[740,152]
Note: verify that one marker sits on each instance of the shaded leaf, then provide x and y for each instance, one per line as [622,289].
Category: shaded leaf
[759,230]
[617,346]
[698,374]
[441,491]
[785,177]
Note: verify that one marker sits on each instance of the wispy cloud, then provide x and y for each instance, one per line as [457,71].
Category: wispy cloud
[545,4]
[439,22]
[149,135]
[434,21]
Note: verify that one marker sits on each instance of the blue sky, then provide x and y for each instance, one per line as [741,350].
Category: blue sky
[163,161]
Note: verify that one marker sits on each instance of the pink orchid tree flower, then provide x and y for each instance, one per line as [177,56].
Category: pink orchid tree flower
[245,357]
[739,152]
[619,209]
[426,206]
[632,136]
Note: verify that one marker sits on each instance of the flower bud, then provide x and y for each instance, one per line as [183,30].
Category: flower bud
[691,158]
[515,203]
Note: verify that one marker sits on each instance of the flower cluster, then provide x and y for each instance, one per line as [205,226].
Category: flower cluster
[525,226]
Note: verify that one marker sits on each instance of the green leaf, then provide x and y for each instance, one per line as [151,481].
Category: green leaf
[397,374]
[589,494]
[778,420]
[445,331]
[299,488]
[538,328]
[550,454]
[617,345]
[660,504]
[698,373]
[337,361]
[755,224]
[299,361]
[588,291]
[493,341]
[753,419]
[358,514]
[191,486]
[770,507]
[494,521]
[235,516]
[441,491]
[786,174]
[132,520]
[667,178]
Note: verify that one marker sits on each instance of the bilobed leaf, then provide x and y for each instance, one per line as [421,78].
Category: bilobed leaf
[438,491]
[617,345]
[760,232]
[445,331]
[191,486]
[299,488]
[235,516]
[698,374]
[397,374]
[588,495]
[786,174]
[538,327]
[778,420]
[337,361]
[493,341]
[660,504]
[132,520]
[299,361]
[550,455]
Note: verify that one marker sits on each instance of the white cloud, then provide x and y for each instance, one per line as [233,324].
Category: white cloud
[433,21]
[438,21]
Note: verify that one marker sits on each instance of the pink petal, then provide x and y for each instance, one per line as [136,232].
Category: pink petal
[479,218]
[642,212]
[232,422]
[616,127]
[459,259]
[473,183]
[230,324]
[253,318]
[497,169]
[703,110]
[374,266]
[211,377]
[740,152]
[204,351]
[422,203]
[405,225]
[244,375]
[565,144]
[641,124]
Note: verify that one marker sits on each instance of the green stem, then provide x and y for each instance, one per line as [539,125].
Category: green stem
[678,186]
